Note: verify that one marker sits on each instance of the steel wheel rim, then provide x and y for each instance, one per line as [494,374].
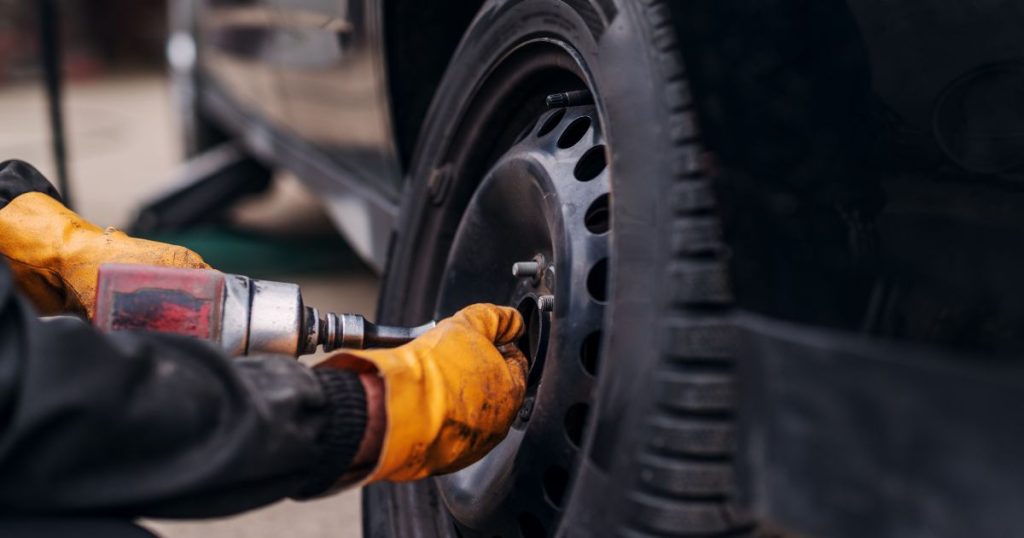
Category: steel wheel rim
[549,193]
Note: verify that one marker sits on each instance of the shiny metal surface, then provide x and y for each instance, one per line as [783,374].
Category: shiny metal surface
[525,269]
[276,320]
[234,335]
[352,331]
[312,326]
[313,72]
[342,331]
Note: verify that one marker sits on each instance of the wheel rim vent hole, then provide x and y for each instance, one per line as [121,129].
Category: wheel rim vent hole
[531,527]
[598,216]
[590,352]
[574,132]
[556,479]
[575,421]
[591,164]
[551,122]
[597,281]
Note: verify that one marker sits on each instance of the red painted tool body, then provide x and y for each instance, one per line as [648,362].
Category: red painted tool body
[241,315]
[189,303]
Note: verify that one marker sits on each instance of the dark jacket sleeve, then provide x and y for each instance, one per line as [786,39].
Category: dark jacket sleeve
[153,425]
[18,177]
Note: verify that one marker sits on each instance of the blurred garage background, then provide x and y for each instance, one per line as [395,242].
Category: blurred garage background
[123,149]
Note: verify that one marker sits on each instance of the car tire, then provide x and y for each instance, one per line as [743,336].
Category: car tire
[656,455]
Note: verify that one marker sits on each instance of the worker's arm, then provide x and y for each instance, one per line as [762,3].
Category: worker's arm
[147,424]
[155,425]
[160,426]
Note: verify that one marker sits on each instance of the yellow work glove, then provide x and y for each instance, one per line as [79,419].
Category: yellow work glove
[55,254]
[450,395]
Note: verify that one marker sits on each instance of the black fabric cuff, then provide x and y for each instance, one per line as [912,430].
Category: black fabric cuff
[346,423]
[19,177]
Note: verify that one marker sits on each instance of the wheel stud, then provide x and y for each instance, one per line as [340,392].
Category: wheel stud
[574,98]
[525,269]
[546,303]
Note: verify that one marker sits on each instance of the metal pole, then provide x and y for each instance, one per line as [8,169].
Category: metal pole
[50,48]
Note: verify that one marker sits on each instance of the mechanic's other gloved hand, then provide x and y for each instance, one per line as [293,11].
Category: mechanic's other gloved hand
[450,395]
[55,254]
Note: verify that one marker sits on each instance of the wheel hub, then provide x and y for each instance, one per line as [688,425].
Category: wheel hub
[543,209]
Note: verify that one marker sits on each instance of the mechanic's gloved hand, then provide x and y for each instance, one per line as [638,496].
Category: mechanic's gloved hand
[55,254]
[450,395]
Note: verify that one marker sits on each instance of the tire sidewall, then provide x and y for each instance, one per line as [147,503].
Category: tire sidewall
[630,99]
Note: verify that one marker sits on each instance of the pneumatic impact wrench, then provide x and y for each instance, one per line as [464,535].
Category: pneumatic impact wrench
[241,315]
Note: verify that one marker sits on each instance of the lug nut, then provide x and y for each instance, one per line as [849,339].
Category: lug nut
[525,269]
[546,303]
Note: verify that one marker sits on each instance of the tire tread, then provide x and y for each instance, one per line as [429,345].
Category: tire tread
[685,470]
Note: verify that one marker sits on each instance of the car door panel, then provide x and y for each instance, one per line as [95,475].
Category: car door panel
[238,37]
[309,78]
[331,70]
